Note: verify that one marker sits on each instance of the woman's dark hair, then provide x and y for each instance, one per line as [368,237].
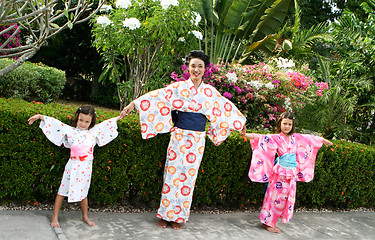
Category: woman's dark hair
[282,116]
[197,54]
[86,109]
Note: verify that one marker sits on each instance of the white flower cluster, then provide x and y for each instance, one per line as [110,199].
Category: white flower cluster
[131,23]
[197,34]
[181,39]
[256,84]
[166,3]
[103,20]
[105,8]
[285,63]
[288,105]
[232,77]
[269,86]
[123,4]
[197,18]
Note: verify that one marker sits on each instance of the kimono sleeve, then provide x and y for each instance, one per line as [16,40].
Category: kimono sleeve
[263,157]
[307,149]
[224,118]
[154,110]
[56,131]
[105,132]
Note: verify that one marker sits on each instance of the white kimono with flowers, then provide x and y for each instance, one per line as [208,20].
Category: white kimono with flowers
[186,147]
[77,174]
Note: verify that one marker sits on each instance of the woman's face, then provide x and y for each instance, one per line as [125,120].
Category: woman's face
[286,125]
[196,69]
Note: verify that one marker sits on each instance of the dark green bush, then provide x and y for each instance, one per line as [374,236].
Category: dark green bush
[130,169]
[32,82]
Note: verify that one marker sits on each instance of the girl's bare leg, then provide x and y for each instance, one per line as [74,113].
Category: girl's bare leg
[56,209]
[85,208]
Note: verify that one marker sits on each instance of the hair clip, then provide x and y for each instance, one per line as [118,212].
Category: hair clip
[80,109]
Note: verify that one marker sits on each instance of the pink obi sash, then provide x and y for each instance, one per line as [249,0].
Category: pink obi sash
[81,152]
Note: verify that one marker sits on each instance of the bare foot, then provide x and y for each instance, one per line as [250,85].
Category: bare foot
[162,223]
[88,221]
[271,229]
[55,222]
[176,226]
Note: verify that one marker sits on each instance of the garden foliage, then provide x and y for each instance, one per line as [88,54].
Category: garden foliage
[263,91]
[32,82]
[130,169]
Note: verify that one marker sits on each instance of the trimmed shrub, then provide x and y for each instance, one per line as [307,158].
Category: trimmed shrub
[130,169]
[32,82]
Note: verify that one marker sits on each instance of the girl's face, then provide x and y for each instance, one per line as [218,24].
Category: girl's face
[84,121]
[286,125]
[196,69]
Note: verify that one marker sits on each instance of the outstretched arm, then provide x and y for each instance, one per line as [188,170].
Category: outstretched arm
[32,119]
[244,134]
[326,142]
[128,109]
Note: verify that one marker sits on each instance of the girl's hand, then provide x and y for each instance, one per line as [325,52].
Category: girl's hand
[326,142]
[32,119]
[243,131]
[127,110]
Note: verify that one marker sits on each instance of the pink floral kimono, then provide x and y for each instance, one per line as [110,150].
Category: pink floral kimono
[186,146]
[280,195]
[77,174]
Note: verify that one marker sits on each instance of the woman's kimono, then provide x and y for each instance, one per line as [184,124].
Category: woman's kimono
[77,174]
[280,195]
[186,146]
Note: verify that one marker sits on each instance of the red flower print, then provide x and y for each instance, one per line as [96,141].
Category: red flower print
[145,105]
[177,104]
[166,188]
[185,190]
[172,155]
[190,158]
[208,92]
[237,125]
[183,177]
[228,107]
[164,111]
[144,127]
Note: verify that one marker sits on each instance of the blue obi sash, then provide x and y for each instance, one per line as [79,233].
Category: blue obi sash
[189,120]
[288,161]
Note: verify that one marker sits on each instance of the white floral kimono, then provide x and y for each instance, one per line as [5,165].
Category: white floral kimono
[186,147]
[77,174]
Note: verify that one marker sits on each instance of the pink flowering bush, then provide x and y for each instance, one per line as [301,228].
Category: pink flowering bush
[262,91]
[15,40]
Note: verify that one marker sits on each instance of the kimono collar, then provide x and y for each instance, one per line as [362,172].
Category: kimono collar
[290,139]
[191,84]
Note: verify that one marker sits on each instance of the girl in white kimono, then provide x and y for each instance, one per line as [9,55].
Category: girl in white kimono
[182,108]
[81,139]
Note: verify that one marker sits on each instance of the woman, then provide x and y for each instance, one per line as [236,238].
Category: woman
[182,108]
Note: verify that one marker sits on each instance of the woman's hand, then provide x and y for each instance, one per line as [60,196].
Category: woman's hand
[128,109]
[32,119]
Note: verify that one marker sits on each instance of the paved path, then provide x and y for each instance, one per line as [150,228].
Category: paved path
[34,224]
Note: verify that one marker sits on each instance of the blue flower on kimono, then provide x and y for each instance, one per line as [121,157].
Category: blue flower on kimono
[300,175]
[265,178]
[279,185]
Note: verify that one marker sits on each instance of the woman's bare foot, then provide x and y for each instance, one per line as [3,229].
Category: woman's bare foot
[271,229]
[162,223]
[55,222]
[88,221]
[176,226]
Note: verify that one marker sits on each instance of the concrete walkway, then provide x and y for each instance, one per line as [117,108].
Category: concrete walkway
[34,224]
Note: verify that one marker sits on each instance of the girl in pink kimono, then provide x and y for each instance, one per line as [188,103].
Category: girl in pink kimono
[81,139]
[183,108]
[296,160]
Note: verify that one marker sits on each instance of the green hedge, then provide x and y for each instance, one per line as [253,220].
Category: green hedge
[32,82]
[130,169]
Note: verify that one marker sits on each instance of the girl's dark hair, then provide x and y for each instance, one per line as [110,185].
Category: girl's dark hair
[282,116]
[197,54]
[86,109]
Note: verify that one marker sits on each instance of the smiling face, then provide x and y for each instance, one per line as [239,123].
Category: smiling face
[196,70]
[84,121]
[286,125]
